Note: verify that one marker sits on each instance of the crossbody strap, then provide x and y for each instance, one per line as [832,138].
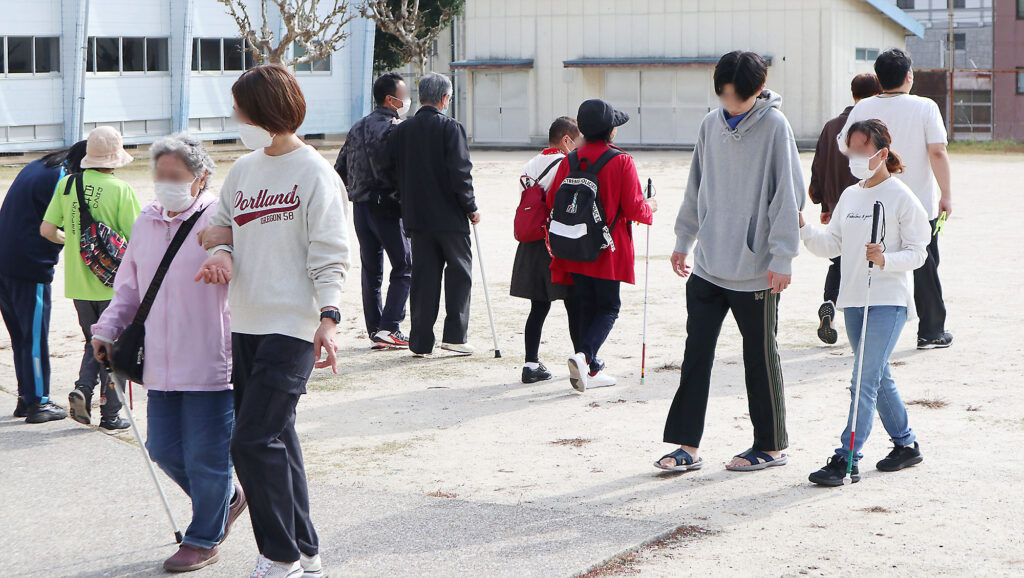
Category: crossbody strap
[165,264]
[537,180]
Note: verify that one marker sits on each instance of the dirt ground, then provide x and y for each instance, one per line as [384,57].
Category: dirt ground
[466,427]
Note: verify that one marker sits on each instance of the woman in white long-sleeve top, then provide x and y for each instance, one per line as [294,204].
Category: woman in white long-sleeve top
[903,235]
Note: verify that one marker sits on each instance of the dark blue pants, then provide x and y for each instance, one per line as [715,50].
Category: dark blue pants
[188,436]
[270,373]
[378,235]
[832,279]
[26,311]
[599,304]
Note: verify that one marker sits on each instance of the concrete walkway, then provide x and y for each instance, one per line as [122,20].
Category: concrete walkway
[92,510]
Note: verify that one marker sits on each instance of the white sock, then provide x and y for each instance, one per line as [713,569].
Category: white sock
[532,365]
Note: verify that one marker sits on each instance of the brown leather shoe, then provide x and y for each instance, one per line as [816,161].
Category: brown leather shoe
[189,558]
[235,509]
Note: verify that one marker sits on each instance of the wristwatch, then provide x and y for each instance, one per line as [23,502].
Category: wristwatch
[332,314]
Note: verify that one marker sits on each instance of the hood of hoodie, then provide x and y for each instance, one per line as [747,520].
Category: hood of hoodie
[765,102]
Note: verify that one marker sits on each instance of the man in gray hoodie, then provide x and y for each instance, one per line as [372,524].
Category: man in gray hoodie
[740,209]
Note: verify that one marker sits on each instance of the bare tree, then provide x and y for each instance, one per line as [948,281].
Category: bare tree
[404,20]
[318,35]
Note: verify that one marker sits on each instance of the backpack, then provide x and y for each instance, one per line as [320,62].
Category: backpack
[101,247]
[532,213]
[579,230]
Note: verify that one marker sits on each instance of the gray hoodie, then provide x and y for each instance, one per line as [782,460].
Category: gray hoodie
[742,198]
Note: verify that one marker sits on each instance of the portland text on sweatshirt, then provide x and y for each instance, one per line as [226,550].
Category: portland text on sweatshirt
[291,251]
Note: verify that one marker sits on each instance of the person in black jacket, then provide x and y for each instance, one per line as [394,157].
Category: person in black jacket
[26,271]
[377,214]
[430,156]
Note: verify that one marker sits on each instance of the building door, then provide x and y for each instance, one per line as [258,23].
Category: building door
[666,106]
[501,111]
[622,90]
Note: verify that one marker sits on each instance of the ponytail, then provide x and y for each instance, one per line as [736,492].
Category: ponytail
[876,131]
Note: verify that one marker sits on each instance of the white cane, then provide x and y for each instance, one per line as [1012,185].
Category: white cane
[647,275]
[860,348]
[119,388]
[487,295]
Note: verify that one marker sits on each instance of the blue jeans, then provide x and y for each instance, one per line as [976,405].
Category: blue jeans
[877,390]
[189,438]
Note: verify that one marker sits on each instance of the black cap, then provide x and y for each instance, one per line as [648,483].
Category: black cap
[597,116]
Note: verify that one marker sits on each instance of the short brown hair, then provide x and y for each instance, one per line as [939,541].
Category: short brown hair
[865,85]
[271,97]
[563,126]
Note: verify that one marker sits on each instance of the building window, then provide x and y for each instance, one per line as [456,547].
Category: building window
[29,54]
[1020,9]
[972,111]
[1020,80]
[905,4]
[959,3]
[220,55]
[129,54]
[960,40]
[866,54]
[319,65]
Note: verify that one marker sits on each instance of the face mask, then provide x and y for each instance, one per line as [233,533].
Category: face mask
[860,166]
[175,197]
[254,137]
[405,107]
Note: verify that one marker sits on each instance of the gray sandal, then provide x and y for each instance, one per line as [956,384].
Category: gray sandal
[758,461]
[684,462]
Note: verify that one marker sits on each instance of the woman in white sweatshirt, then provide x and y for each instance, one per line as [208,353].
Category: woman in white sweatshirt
[283,204]
[903,235]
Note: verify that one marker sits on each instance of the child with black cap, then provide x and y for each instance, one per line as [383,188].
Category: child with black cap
[622,200]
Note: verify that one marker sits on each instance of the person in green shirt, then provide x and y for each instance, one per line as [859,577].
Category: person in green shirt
[111,202]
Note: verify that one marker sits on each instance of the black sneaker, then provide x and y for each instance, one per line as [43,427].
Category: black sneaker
[81,406]
[391,339]
[535,375]
[44,412]
[596,366]
[21,410]
[834,472]
[115,423]
[901,457]
[826,314]
[941,342]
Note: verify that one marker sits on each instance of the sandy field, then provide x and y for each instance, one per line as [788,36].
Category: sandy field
[467,428]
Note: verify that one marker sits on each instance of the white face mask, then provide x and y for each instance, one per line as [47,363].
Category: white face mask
[860,166]
[254,137]
[175,197]
[405,107]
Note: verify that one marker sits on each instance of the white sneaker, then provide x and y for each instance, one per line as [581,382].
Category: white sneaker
[311,566]
[579,372]
[602,379]
[462,348]
[267,568]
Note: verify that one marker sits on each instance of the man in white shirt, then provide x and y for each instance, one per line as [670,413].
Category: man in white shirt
[919,137]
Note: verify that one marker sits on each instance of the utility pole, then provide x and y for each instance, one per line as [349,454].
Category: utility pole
[951,42]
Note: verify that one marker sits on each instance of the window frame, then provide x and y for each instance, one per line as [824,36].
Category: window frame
[312,71]
[1020,80]
[957,37]
[5,56]
[1020,9]
[91,49]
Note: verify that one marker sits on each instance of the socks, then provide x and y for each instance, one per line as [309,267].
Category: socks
[531,365]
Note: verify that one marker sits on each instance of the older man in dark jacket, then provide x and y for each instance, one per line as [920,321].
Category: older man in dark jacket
[377,214]
[431,162]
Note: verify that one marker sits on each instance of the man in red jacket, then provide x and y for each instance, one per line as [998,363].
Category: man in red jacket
[597,283]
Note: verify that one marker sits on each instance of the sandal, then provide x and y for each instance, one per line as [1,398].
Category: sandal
[684,462]
[758,461]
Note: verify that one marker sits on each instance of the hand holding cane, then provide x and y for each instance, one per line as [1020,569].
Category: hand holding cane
[860,349]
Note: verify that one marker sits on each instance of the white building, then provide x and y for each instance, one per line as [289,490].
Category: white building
[526,62]
[152,67]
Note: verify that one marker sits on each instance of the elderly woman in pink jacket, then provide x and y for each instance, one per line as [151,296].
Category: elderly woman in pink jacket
[188,343]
